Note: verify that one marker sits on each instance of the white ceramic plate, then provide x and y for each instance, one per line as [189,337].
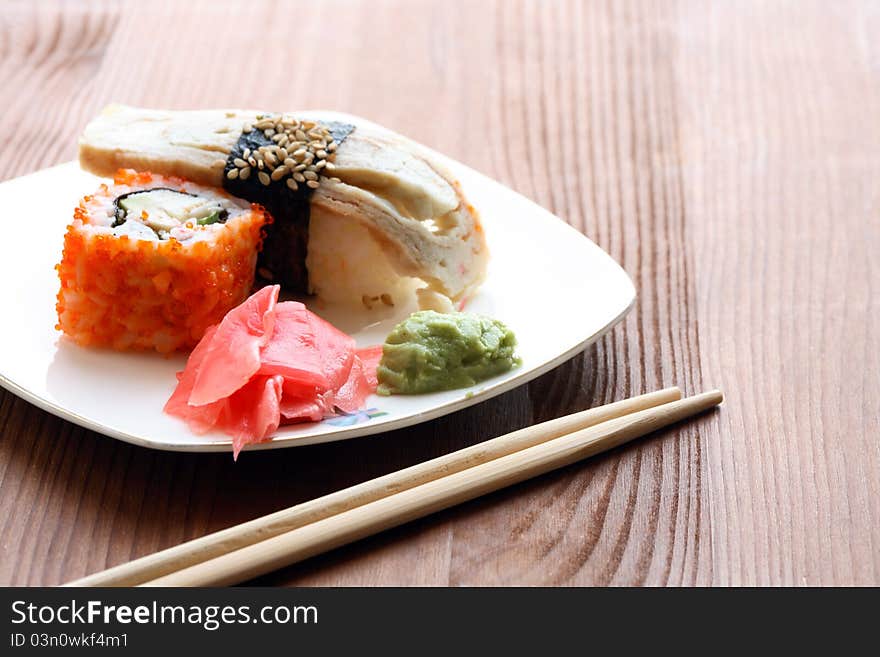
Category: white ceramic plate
[555,288]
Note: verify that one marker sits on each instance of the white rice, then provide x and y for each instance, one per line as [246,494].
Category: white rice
[347,266]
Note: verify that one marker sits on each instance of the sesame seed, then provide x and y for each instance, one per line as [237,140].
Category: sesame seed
[247,128]
[219,163]
[329,165]
[232,174]
[298,152]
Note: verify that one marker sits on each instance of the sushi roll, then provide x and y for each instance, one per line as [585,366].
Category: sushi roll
[152,261]
[362,215]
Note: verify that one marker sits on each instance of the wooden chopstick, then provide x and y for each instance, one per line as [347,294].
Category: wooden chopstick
[219,543]
[399,508]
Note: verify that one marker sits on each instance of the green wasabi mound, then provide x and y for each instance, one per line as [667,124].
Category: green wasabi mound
[431,351]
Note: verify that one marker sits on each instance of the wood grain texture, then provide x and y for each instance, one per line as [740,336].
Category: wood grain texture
[727,154]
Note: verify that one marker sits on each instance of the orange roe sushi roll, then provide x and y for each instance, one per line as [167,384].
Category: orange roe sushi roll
[152,261]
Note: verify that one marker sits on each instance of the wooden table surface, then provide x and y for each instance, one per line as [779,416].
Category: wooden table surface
[727,154]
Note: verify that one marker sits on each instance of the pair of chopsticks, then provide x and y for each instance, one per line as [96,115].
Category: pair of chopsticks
[285,537]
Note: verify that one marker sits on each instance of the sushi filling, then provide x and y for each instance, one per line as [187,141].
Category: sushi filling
[166,212]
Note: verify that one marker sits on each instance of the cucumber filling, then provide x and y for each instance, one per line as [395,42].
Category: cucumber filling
[162,210]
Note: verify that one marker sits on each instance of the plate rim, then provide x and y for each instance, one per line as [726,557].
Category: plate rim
[361,431]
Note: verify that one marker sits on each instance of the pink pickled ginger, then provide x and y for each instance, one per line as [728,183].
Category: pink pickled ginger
[232,356]
[269,363]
